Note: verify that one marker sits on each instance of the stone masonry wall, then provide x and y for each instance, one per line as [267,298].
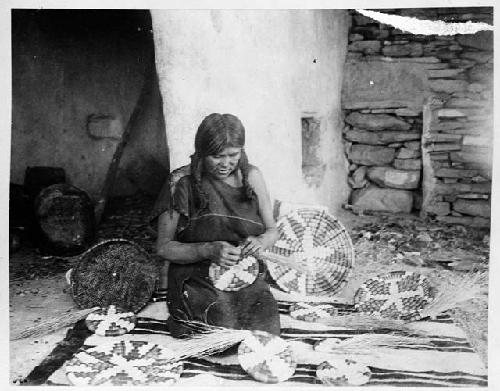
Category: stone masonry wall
[428,145]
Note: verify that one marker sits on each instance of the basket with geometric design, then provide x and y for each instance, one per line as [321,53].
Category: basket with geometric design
[343,372]
[311,312]
[396,295]
[111,321]
[124,363]
[234,278]
[266,357]
[317,241]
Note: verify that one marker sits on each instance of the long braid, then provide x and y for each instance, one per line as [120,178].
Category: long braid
[248,192]
[200,197]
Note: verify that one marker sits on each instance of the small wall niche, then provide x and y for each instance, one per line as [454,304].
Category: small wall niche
[313,167]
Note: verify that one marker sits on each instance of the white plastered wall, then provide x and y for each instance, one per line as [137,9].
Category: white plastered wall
[268,67]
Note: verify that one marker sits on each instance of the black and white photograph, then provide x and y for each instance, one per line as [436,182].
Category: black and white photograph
[250,196]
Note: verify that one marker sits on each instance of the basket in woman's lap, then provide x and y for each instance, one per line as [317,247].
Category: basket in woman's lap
[236,277]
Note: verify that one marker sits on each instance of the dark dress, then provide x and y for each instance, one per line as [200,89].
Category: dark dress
[190,293]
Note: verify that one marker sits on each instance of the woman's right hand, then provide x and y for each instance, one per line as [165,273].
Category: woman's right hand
[223,253]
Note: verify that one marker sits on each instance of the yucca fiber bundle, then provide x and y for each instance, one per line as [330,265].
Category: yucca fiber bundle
[51,325]
[452,293]
[206,340]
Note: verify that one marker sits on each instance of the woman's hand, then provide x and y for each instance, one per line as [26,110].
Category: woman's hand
[223,253]
[252,246]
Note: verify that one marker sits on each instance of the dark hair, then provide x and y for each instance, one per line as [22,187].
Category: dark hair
[215,133]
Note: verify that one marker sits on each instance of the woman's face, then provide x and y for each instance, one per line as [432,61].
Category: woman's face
[220,166]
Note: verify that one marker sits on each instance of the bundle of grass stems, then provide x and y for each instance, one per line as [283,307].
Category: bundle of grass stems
[207,340]
[452,293]
[370,343]
[51,325]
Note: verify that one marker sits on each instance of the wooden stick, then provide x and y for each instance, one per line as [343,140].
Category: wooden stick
[113,167]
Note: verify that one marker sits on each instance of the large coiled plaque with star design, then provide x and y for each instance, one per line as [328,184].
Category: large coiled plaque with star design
[317,241]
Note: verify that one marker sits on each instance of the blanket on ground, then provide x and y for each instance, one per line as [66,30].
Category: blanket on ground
[447,359]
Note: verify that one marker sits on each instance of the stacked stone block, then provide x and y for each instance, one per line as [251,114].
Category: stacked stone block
[385,158]
[458,141]
[385,145]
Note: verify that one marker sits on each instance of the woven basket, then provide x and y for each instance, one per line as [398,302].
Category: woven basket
[266,357]
[319,242]
[114,272]
[343,372]
[65,220]
[311,312]
[124,363]
[396,295]
[110,321]
[234,278]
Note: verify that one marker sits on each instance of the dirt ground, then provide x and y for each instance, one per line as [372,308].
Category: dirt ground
[38,290]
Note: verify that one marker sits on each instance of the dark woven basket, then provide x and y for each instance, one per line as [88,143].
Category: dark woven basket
[115,271]
[65,220]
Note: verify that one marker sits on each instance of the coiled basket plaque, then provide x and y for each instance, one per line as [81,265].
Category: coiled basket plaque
[319,242]
[114,272]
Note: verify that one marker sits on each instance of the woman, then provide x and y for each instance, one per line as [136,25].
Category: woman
[219,213]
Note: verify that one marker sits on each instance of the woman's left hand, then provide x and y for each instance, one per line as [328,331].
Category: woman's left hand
[252,246]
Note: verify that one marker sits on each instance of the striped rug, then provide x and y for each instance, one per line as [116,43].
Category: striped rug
[446,360]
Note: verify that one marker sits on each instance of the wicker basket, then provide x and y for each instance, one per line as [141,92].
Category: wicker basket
[319,242]
[115,272]
[124,363]
[396,295]
[266,357]
[65,220]
[234,278]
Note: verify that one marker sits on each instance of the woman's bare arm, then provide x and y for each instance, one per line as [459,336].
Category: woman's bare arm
[185,253]
[269,237]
